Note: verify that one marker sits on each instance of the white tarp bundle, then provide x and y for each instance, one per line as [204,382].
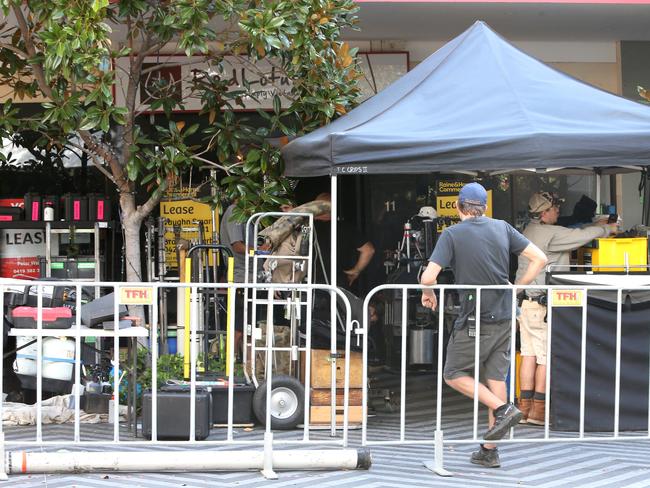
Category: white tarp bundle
[54,410]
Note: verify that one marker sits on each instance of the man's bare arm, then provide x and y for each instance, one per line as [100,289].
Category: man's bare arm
[366,252]
[429,278]
[238,247]
[537,260]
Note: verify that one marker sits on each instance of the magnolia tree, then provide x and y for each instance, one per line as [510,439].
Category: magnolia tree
[77,55]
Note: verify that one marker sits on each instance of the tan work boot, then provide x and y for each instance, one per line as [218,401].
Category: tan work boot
[525,404]
[537,416]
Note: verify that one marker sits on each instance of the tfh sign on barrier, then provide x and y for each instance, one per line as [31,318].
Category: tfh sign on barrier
[267,458]
[136,295]
[589,388]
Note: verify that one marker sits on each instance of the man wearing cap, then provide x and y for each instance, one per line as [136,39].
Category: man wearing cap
[478,250]
[556,242]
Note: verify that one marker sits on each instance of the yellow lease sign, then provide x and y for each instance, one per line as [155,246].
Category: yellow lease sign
[566,298]
[136,295]
[446,203]
[186,215]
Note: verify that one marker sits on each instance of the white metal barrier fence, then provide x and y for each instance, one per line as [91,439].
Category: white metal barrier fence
[146,294]
[438,440]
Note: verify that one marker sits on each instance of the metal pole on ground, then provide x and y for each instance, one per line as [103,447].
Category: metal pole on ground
[22,462]
[437,465]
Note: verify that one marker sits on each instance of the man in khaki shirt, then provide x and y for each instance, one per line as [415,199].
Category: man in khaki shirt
[556,242]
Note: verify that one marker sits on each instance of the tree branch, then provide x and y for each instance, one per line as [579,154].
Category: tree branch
[85,150]
[96,162]
[94,147]
[39,74]
[14,49]
[148,206]
[211,163]
[135,70]
[157,46]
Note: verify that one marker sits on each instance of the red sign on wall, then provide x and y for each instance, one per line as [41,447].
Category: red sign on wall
[20,248]
[12,202]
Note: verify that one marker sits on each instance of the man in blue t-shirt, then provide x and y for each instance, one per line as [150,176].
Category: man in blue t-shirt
[478,250]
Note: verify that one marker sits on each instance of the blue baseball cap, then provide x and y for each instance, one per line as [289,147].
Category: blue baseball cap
[473,193]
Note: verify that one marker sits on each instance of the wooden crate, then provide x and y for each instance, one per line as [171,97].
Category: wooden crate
[321,372]
[323,396]
[320,414]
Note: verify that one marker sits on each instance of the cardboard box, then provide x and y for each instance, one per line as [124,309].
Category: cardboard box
[321,372]
[321,415]
[323,396]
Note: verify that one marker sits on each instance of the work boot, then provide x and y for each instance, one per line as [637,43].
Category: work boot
[537,414]
[486,457]
[525,404]
[506,416]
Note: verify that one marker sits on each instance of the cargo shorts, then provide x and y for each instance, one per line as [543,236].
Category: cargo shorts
[494,352]
[533,330]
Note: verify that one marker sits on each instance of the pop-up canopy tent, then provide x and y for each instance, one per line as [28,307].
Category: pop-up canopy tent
[476,104]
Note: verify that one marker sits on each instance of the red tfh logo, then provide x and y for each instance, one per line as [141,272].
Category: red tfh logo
[136,293]
[567,295]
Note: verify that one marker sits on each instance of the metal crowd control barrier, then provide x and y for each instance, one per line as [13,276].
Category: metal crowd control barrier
[267,460]
[251,272]
[438,440]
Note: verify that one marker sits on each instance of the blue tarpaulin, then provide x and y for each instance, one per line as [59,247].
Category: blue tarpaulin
[478,104]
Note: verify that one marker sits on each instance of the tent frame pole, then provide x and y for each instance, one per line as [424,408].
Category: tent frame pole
[333,237]
[333,280]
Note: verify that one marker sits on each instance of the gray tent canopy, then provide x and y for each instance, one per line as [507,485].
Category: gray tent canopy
[478,104]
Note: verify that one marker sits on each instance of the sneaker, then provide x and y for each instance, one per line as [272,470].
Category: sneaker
[486,457]
[505,416]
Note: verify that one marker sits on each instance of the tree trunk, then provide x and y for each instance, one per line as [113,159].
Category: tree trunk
[131,225]
[132,249]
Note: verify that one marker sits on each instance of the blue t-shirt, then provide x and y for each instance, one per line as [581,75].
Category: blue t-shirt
[478,251]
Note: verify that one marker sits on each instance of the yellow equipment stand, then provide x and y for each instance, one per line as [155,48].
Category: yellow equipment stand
[186,347]
[187,278]
[229,302]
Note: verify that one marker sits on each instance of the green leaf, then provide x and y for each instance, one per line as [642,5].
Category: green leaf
[132,171]
[277,104]
[253,156]
[99,4]
[274,41]
[88,122]
[276,22]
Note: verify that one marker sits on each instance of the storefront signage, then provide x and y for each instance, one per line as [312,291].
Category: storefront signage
[264,77]
[136,295]
[20,248]
[446,200]
[566,298]
[185,216]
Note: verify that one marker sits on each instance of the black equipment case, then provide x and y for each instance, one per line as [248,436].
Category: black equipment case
[174,413]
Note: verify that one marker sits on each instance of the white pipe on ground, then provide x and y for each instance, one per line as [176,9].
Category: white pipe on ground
[19,462]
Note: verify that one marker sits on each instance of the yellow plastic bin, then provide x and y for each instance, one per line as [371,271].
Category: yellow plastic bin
[611,251]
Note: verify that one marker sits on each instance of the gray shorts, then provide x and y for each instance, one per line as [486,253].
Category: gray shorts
[494,352]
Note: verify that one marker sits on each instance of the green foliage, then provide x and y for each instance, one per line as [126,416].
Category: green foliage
[170,367]
[63,52]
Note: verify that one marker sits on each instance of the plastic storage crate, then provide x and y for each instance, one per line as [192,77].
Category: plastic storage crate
[612,251]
